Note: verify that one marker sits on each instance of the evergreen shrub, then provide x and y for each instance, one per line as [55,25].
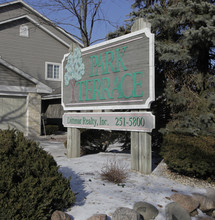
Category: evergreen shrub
[192,156]
[30,185]
[95,141]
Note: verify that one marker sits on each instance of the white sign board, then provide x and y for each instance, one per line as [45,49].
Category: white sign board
[124,121]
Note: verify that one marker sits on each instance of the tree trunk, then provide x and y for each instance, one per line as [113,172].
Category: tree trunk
[73,90]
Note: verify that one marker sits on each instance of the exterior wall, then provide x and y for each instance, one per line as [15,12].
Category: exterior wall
[33,114]
[30,53]
[9,78]
[16,10]
[13,112]
[22,113]
[11,11]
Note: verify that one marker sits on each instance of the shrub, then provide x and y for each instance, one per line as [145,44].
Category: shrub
[114,172]
[51,129]
[94,141]
[30,185]
[190,155]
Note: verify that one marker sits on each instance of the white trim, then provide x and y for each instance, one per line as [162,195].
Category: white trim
[13,94]
[39,86]
[45,18]
[113,42]
[146,31]
[46,71]
[151,67]
[27,116]
[62,81]
[148,117]
[21,89]
[107,47]
[47,97]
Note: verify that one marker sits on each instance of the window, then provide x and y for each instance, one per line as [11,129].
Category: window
[52,71]
[23,31]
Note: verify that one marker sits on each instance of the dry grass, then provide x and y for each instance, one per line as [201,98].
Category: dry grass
[114,172]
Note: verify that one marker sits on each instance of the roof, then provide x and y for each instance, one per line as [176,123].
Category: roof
[40,87]
[42,16]
[56,94]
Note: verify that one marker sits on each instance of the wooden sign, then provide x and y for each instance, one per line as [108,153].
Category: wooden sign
[124,121]
[116,74]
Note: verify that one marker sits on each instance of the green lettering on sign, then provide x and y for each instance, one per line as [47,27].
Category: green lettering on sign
[119,59]
[106,88]
[137,84]
[93,64]
[121,86]
[109,63]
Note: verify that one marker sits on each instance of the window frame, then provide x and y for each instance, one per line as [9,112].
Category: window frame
[46,71]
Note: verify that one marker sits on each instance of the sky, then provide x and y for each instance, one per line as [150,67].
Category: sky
[116,11]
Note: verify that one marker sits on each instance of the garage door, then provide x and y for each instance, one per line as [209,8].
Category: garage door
[13,112]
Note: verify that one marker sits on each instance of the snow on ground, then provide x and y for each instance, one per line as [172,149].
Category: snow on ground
[94,195]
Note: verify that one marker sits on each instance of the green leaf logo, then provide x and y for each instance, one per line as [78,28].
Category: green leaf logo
[75,69]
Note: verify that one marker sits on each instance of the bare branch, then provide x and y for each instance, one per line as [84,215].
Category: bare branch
[83,15]
[93,18]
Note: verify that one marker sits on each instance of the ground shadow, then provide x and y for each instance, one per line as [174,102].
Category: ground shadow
[156,159]
[77,185]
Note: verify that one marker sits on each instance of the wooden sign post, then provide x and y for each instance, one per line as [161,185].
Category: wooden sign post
[117,74]
[141,148]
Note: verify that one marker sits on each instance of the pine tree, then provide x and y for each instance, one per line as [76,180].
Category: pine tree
[185,58]
[185,62]
[185,33]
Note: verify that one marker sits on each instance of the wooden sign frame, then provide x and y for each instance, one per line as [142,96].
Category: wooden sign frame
[124,65]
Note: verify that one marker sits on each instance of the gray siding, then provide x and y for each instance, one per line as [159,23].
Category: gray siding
[8,77]
[18,9]
[30,54]
[13,113]
[11,11]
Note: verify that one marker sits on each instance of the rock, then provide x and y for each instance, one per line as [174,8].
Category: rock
[98,217]
[58,215]
[185,201]
[210,193]
[175,212]
[194,213]
[206,204]
[125,214]
[146,210]
[205,218]
[213,214]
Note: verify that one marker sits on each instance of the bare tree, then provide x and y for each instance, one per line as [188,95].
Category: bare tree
[80,14]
